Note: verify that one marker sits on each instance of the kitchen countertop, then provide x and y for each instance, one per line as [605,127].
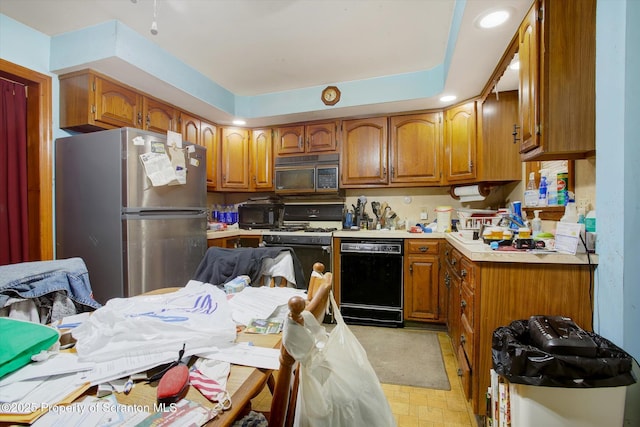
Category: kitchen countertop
[232,232]
[474,250]
[477,250]
[385,234]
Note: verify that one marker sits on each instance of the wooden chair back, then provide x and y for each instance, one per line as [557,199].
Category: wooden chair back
[285,392]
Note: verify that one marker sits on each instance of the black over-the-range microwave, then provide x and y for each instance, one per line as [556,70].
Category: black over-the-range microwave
[307,174]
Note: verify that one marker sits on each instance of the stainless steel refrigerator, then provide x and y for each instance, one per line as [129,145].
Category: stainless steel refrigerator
[137,225]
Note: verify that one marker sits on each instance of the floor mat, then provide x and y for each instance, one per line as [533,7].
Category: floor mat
[404,356]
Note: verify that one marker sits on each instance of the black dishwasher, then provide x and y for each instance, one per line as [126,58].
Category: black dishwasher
[371,282]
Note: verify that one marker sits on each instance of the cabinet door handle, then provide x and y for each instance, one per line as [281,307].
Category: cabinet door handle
[447,280]
[139,118]
[463,339]
[453,261]
[463,272]
[148,121]
[463,304]
[300,142]
[424,248]
[515,133]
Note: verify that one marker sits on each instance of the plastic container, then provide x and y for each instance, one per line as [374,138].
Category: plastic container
[590,221]
[563,188]
[566,407]
[443,219]
[531,193]
[536,223]
[570,213]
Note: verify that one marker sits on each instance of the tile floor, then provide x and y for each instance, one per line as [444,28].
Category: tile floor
[419,407]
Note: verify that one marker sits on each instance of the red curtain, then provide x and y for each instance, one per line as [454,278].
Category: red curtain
[14,231]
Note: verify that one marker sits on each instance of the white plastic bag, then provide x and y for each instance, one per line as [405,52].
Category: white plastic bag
[338,386]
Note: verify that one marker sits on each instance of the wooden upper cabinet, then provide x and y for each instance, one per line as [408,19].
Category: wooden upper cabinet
[557,80]
[234,159]
[91,102]
[190,128]
[416,145]
[261,160]
[116,105]
[159,116]
[198,131]
[460,143]
[290,140]
[319,137]
[528,103]
[209,140]
[364,152]
[498,157]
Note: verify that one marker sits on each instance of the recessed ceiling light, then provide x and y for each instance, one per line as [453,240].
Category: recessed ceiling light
[239,122]
[493,19]
[448,98]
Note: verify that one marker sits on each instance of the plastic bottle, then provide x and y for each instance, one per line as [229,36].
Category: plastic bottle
[570,213]
[536,223]
[542,192]
[581,215]
[590,221]
[531,193]
[552,190]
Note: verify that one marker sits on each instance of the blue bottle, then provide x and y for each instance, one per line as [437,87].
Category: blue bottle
[542,193]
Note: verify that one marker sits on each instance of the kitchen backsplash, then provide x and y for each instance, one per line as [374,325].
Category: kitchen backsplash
[409,203]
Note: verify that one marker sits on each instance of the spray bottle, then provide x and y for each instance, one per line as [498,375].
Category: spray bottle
[536,223]
[542,192]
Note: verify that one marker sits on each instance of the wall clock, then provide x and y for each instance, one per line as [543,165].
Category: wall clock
[330,95]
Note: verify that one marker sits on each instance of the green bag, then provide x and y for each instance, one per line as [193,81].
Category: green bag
[21,340]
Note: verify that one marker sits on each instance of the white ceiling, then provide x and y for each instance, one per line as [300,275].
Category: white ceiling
[254,47]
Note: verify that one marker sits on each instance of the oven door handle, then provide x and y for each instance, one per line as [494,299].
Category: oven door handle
[326,248]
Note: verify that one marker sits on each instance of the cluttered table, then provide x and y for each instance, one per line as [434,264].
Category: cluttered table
[243,382]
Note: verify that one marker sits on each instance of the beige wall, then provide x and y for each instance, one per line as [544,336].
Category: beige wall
[410,202]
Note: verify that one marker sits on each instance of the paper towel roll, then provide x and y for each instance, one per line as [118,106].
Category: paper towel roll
[470,193]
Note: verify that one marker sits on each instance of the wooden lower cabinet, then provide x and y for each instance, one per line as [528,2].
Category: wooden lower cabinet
[236,242]
[486,295]
[422,293]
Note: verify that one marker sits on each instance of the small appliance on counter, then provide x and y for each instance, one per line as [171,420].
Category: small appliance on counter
[261,213]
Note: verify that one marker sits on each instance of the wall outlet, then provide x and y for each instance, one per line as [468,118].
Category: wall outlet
[583,204]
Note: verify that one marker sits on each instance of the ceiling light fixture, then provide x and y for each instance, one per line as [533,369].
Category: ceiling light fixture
[493,19]
[239,122]
[154,24]
[448,98]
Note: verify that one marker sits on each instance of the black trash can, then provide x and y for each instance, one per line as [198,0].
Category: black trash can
[551,389]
